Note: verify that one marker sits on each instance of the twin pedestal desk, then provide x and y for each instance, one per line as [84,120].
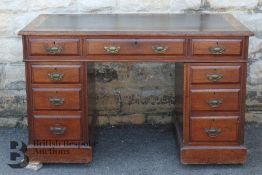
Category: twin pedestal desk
[210,51]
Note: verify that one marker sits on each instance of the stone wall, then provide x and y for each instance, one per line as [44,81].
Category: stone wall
[130,92]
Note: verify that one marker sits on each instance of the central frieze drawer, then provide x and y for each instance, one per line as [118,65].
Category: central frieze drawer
[135,46]
[215,47]
[215,99]
[56,98]
[54,46]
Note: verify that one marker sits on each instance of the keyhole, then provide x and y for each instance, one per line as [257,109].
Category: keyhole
[135,44]
[54,42]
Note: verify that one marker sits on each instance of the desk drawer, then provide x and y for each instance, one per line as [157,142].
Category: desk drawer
[217,47]
[57,129]
[215,73]
[56,73]
[135,46]
[56,98]
[54,46]
[215,99]
[214,129]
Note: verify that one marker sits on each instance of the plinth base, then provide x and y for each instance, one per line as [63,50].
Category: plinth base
[68,154]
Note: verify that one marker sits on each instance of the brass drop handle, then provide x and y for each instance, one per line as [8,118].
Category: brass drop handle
[214,103]
[159,49]
[217,50]
[54,49]
[112,49]
[212,132]
[214,77]
[56,76]
[57,130]
[56,101]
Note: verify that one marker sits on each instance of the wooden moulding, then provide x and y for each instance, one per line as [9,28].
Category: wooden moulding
[68,154]
[213,154]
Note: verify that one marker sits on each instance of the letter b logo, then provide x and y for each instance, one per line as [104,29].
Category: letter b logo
[18,159]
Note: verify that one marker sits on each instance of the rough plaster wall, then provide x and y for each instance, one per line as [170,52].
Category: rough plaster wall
[131,92]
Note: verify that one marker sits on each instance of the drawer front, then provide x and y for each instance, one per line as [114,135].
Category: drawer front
[54,73]
[54,47]
[135,46]
[57,128]
[217,47]
[215,99]
[214,129]
[215,73]
[56,98]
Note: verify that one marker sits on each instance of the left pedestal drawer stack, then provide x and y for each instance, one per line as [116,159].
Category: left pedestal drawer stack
[57,96]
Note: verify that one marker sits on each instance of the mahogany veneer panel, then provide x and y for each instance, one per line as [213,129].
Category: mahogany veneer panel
[216,155]
[65,154]
[200,99]
[226,129]
[61,73]
[69,97]
[203,46]
[40,46]
[43,128]
[225,73]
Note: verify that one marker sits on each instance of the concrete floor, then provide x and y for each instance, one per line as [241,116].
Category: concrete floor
[137,150]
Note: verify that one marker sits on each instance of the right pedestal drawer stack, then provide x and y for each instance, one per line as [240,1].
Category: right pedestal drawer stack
[215,120]
[215,103]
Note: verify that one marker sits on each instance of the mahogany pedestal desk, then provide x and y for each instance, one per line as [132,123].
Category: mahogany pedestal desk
[210,51]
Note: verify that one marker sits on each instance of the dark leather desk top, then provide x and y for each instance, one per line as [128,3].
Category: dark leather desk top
[136,24]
